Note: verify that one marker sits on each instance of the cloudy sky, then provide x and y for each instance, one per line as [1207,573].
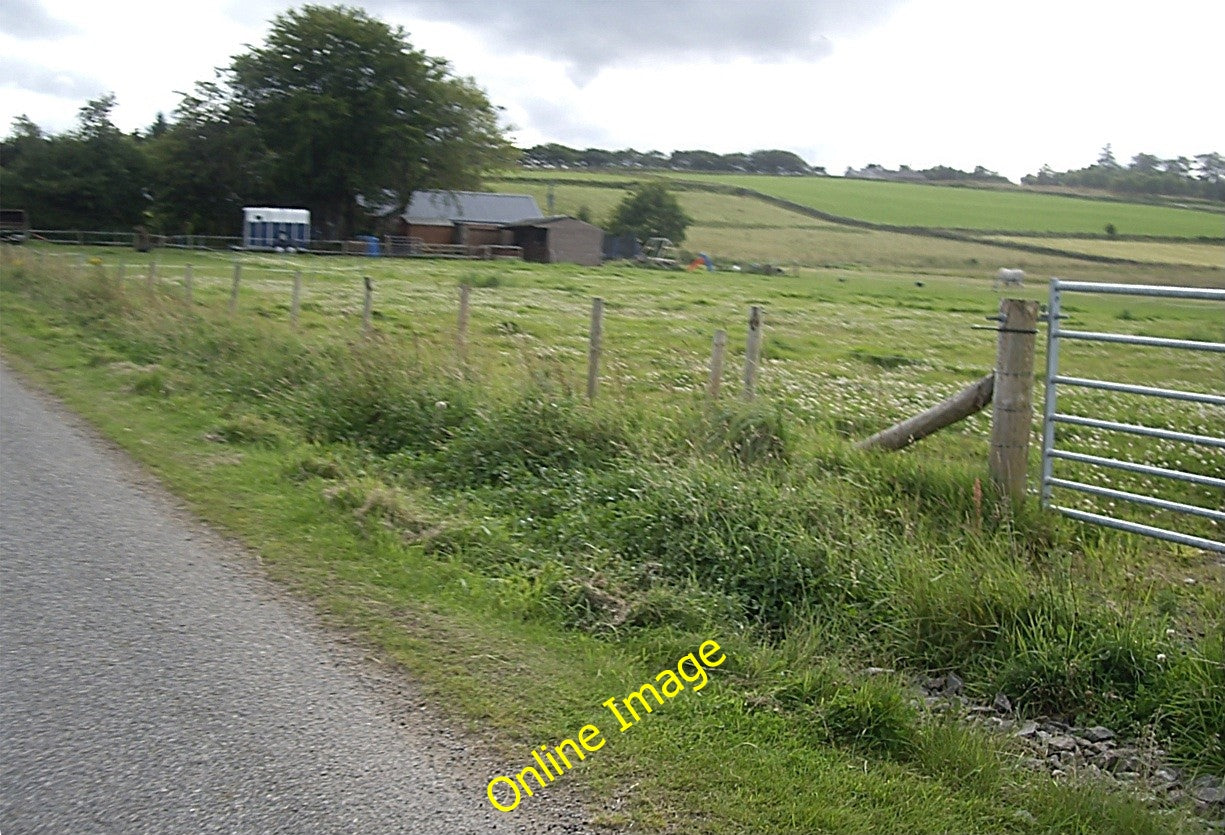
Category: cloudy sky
[1009,85]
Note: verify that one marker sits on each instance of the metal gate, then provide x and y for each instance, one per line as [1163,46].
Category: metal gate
[1056,334]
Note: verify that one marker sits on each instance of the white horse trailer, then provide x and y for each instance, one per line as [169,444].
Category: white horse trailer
[279,229]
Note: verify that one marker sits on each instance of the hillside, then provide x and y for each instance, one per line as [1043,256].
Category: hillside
[742,229]
[942,207]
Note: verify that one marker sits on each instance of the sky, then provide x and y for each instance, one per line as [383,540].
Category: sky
[999,83]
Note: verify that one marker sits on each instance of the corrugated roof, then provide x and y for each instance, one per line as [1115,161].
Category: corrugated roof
[536,222]
[469,207]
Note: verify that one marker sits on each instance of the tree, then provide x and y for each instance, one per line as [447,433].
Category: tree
[651,211]
[777,162]
[1106,157]
[345,108]
[207,165]
[89,178]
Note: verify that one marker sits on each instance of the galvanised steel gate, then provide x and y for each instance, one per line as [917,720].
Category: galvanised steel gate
[1056,334]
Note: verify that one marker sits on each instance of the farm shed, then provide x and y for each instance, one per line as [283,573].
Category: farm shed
[473,218]
[552,240]
[267,228]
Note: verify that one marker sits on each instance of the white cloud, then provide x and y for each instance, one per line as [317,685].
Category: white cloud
[918,82]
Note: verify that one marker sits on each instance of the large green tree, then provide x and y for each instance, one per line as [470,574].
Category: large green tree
[346,108]
[650,211]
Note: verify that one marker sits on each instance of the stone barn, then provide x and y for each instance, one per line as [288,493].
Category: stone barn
[551,240]
[473,218]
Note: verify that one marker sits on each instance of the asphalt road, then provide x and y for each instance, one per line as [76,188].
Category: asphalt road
[152,681]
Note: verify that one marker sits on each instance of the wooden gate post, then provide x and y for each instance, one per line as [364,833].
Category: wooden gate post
[594,347]
[752,353]
[1012,410]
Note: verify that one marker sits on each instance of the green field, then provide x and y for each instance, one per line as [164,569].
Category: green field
[945,207]
[527,555]
[1157,252]
[743,230]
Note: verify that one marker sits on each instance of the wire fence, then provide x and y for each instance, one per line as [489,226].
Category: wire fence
[396,246]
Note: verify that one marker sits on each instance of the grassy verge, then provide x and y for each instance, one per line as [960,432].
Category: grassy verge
[530,556]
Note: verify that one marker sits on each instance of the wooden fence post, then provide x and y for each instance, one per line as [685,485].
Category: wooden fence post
[295,304]
[752,353]
[716,363]
[367,305]
[461,331]
[594,347]
[187,285]
[1012,412]
[234,287]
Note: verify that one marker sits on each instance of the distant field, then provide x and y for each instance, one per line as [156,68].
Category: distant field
[746,230]
[945,207]
[1158,252]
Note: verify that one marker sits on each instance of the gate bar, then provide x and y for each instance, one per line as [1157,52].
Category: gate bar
[1152,501]
[1143,469]
[1169,394]
[1152,341]
[1146,530]
[1134,429]
[1205,293]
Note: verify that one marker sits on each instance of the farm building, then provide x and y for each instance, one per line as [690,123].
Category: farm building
[464,217]
[270,228]
[551,240]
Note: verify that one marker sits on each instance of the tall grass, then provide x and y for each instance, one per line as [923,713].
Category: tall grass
[623,520]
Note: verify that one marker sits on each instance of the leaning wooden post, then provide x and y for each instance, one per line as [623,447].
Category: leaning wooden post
[234,287]
[187,285]
[1012,413]
[716,363]
[295,303]
[964,403]
[752,353]
[594,347]
[367,305]
[461,330]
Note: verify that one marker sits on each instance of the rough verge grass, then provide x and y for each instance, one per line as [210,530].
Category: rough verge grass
[812,560]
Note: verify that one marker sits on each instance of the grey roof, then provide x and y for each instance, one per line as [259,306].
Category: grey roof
[536,222]
[441,207]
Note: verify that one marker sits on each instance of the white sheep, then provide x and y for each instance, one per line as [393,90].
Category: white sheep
[1006,277]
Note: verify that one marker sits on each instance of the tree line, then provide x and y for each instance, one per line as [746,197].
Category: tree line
[772,161]
[335,112]
[1201,176]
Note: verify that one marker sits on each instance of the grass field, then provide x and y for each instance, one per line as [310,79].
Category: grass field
[453,512]
[744,230]
[945,207]
[1156,252]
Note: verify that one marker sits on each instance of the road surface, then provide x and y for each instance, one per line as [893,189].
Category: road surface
[152,681]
